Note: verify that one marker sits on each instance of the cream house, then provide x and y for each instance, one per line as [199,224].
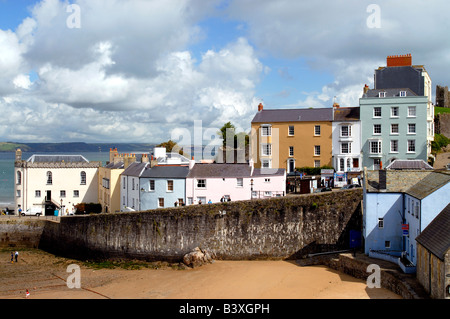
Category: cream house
[54,182]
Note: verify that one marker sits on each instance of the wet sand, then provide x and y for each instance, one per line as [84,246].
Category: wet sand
[45,275]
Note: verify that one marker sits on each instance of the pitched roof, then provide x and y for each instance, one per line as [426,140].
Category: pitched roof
[409,164]
[436,236]
[135,169]
[294,115]
[165,172]
[57,159]
[220,170]
[389,92]
[417,183]
[346,114]
[113,165]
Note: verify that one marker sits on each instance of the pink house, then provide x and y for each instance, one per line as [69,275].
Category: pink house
[212,182]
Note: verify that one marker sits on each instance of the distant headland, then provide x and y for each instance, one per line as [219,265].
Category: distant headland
[74,147]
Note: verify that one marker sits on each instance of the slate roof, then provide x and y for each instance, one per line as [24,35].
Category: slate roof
[135,169]
[165,172]
[113,165]
[389,92]
[409,164]
[401,76]
[346,114]
[273,172]
[57,159]
[417,183]
[220,170]
[294,115]
[436,236]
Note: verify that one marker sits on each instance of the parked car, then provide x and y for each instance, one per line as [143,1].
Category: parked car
[34,211]
[323,189]
[349,186]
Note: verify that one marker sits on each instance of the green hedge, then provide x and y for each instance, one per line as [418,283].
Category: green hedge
[439,142]
[312,170]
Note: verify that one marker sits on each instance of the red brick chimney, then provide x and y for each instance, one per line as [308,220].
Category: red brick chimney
[260,107]
[399,60]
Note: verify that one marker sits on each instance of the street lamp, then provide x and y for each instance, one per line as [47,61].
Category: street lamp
[251,188]
[60,209]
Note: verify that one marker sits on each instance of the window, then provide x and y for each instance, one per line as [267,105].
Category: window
[83,178]
[62,193]
[105,183]
[201,183]
[380,222]
[411,128]
[316,163]
[394,128]
[266,130]
[381,94]
[76,193]
[190,201]
[317,130]
[346,148]
[346,131]
[375,147]
[268,194]
[239,182]
[317,150]
[291,150]
[394,111]
[387,244]
[411,111]
[49,178]
[411,146]
[160,202]
[402,93]
[132,183]
[202,200]
[341,165]
[377,129]
[377,111]
[124,183]
[266,149]
[267,180]
[416,211]
[19,178]
[18,193]
[394,146]
[291,130]
[265,163]
[180,201]
[170,186]
[37,193]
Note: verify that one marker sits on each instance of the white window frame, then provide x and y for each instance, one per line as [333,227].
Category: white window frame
[37,193]
[375,109]
[151,185]
[266,130]
[317,130]
[374,129]
[411,143]
[168,190]
[266,163]
[291,130]
[378,147]
[202,185]
[398,128]
[239,182]
[291,150]
[402,93]
[394,149]
[381,94]
[397,110]
[411,125]
[348,147]
[266,149]
[316,163]
[349,131]
[411,111]
[316,150]
[380,222]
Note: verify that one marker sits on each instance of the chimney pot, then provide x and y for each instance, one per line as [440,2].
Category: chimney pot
[260,107]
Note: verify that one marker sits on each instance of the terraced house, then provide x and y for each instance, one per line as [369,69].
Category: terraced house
[290,138]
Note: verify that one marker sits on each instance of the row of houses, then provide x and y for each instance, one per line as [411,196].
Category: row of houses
[394,120]
[137,181]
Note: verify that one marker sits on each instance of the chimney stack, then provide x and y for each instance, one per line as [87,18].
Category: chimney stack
[260,107]
[399,60]
[366,88]
[145,158]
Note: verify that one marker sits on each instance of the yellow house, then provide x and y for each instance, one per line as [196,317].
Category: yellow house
[109,180]
[290,138]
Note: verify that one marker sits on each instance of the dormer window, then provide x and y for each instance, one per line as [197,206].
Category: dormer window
[402,93]
[381,94]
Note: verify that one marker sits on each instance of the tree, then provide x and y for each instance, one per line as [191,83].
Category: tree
[240,140]
[170,145]
[227,128]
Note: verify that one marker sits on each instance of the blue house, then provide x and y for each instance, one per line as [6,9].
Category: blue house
[163,186]
[397,206]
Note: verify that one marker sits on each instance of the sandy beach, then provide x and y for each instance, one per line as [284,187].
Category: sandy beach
[45,277]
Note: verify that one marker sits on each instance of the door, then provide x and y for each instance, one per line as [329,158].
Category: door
[291,165]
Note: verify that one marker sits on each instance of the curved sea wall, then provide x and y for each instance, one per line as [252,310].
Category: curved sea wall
[286,227]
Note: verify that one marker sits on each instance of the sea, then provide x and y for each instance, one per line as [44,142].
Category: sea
[7,171]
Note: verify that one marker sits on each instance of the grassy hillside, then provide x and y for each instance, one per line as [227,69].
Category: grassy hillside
[11,147]
[74,147]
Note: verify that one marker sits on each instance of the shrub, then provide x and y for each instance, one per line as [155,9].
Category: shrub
[88,208]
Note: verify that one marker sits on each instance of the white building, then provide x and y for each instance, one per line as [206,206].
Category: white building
[346,144]
[54,182]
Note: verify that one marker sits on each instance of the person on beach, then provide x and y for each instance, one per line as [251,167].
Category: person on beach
[16,255]
[27,294]
[12,257]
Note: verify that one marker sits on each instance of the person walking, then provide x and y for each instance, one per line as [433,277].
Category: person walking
[27,294]
[12,257]
[16,255]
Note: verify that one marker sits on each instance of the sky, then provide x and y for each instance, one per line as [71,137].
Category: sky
[146,71]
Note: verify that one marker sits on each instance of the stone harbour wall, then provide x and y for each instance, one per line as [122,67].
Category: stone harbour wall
[20,232]
[280,228]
